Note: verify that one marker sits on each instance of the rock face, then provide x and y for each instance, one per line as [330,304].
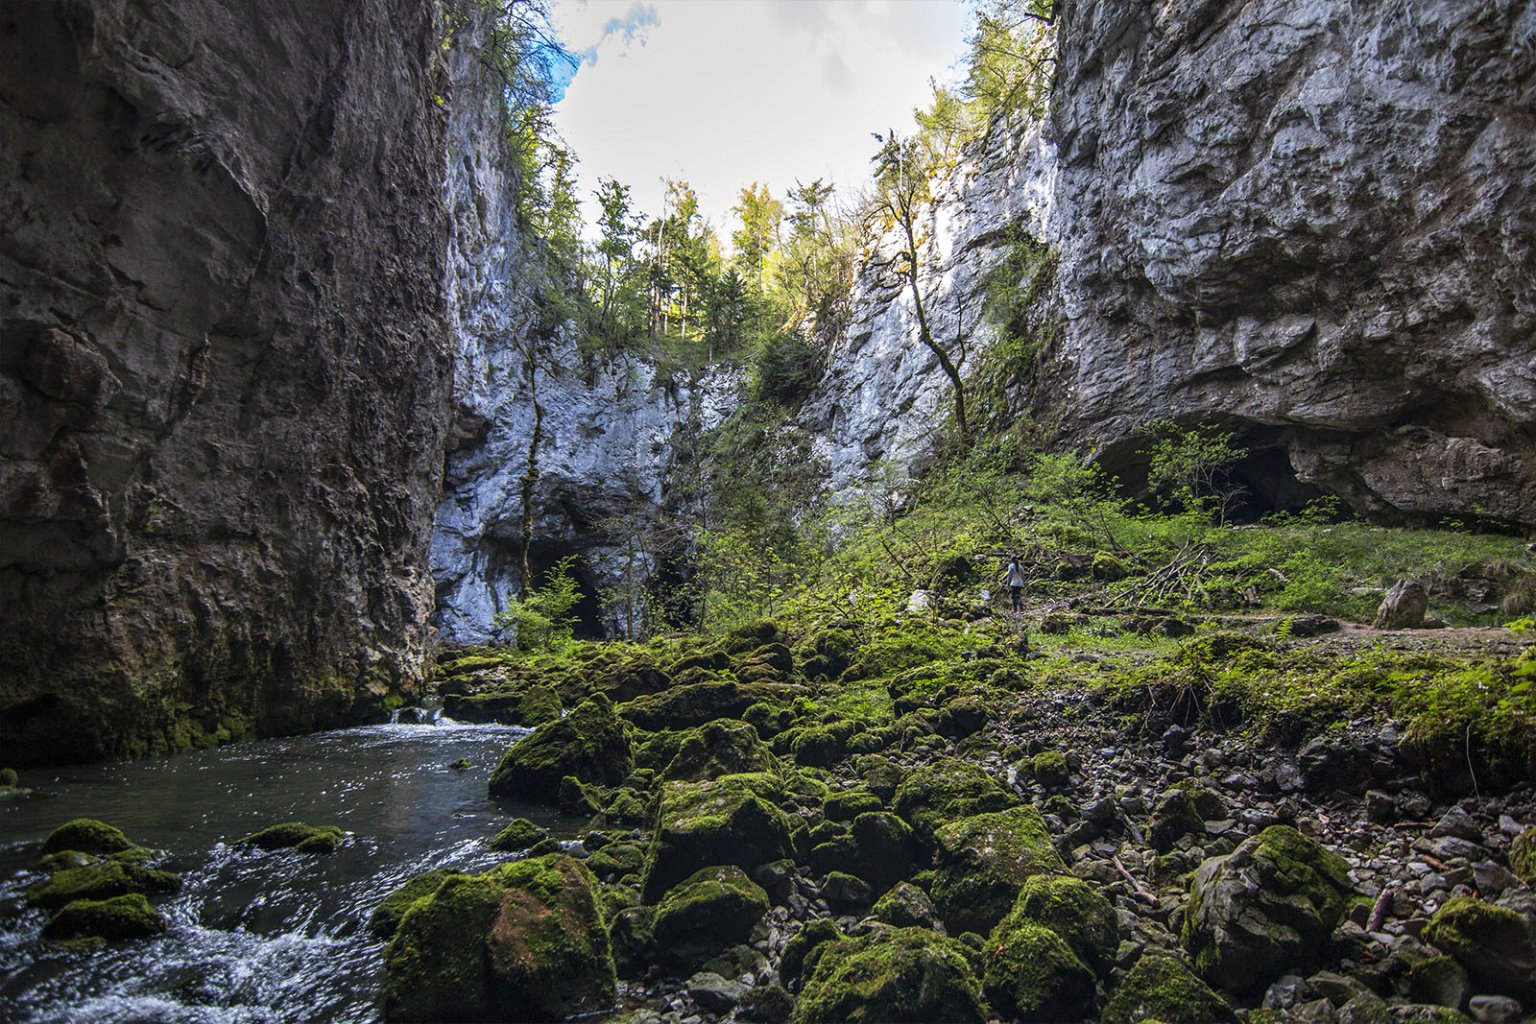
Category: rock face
[224,367]
[1304,220]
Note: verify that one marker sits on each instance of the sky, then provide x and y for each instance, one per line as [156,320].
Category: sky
[723,93]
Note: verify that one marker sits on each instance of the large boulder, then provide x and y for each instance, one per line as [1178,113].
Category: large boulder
[1072,909]
[1403,607]
[88,836]
[731,820]
[983,861]
[1495,944]
[719,748]
[936,794]
[117,918]
[879,848]
[590,743]
[1033,975]
[1162,987]
[710,911]
[682,707]
[1267,907]
[524,941]
[891,976]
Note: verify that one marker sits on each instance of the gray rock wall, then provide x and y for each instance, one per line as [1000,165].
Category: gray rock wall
[224,366]
[1314,217]
[1311,221]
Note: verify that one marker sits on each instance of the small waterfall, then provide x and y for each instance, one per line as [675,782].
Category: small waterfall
[430,712]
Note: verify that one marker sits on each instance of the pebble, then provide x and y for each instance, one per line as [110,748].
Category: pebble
[1495,1009]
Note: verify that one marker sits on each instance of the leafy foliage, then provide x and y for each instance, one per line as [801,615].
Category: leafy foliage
[540,619]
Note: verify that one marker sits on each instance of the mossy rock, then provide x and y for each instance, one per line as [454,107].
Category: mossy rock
[804,947]
[9,779]
[115,919]
[906,906]
[519,835]
[683,707]
[1173,817]
[1522,856]
[816,748]
[528,705]
[891,976]
[768,718]
[713,659]
[523,941]
[385,919]
[939,793]
[880,775]
[719,748]
[1493,943]
[850,803]
[100,881]
[962,717]
[1267,907]
[627,808]
[88,836]
[753,635]
[629,936]
[710,911]
[878,847]
[1033,975]
[295,835]
[1049,769]
[1163,988]
[615,861]
[1074,910]
[590,744]
[983,861]
[735,819]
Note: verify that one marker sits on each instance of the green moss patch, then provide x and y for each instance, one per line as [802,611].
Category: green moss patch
[982,862]
[88,836]
[1162,987]
[115,919]
[1492,942]
[295,835]
[891,976]
[708,912]
[100,882]
[386,917]
[590,744]
[1033,975]
[1072,909]
[731,820]
[936,794]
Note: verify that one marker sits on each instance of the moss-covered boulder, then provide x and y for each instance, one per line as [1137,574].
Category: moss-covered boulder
[906,906]
[1522,856]
[386,917]
[878,847]
[519,835]
[1495,944]
[1163,988]
[891,976]
[805,946]
[719,748]
[982,862]
[683,707]
[936,794]
[88,836]
[708,912]
[527,705]
[1267,907]
[115,919]
[590,744]
[1033,975]
[1074,910]
[735,819]
[9,779]
[524,941]
[815,747]
[295,835]
[100,881]
[850,803]
[1173,817]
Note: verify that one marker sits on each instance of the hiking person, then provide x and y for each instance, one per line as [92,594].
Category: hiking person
[1015,580]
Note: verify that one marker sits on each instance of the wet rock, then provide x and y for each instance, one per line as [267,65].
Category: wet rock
[385,919]
[982,861]
[589,744]
[1403,607]
[935,794]
[100,881]
[1269,905]
[897,975]
[1492,942]
[115,919]
[297,836]
[731,820]
[88,836]
[1162,987]
[520,834]
[1457,822]
[523,941]
[766,1004]
[841,889]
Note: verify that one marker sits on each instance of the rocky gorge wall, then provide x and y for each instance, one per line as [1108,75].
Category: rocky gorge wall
[1304,220]
[224,367]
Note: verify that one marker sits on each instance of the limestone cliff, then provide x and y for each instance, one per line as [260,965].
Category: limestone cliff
[224,366]
[1311,221]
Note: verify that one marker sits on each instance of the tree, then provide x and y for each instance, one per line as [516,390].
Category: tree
[619,230]
[902,203]
[757,238]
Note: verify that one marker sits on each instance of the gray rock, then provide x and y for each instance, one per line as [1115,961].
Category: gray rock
[714,993]
[1495,1009]
[1403,607]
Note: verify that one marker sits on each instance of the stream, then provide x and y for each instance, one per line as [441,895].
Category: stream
[254,937]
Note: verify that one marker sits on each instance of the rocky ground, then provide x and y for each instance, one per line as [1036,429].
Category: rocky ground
[1033,852]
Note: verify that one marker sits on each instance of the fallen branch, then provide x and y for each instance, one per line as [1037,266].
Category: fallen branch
[1138,890]
[1379,910]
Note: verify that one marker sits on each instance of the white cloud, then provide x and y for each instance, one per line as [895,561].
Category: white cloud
[727,92]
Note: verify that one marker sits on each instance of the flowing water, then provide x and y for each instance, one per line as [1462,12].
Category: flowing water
[254,937]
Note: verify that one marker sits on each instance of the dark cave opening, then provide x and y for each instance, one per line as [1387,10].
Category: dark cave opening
[543,556]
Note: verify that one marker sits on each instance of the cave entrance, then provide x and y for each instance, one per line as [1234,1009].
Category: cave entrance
[588,613]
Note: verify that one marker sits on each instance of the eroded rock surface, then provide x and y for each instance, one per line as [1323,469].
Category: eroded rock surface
[224,367]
